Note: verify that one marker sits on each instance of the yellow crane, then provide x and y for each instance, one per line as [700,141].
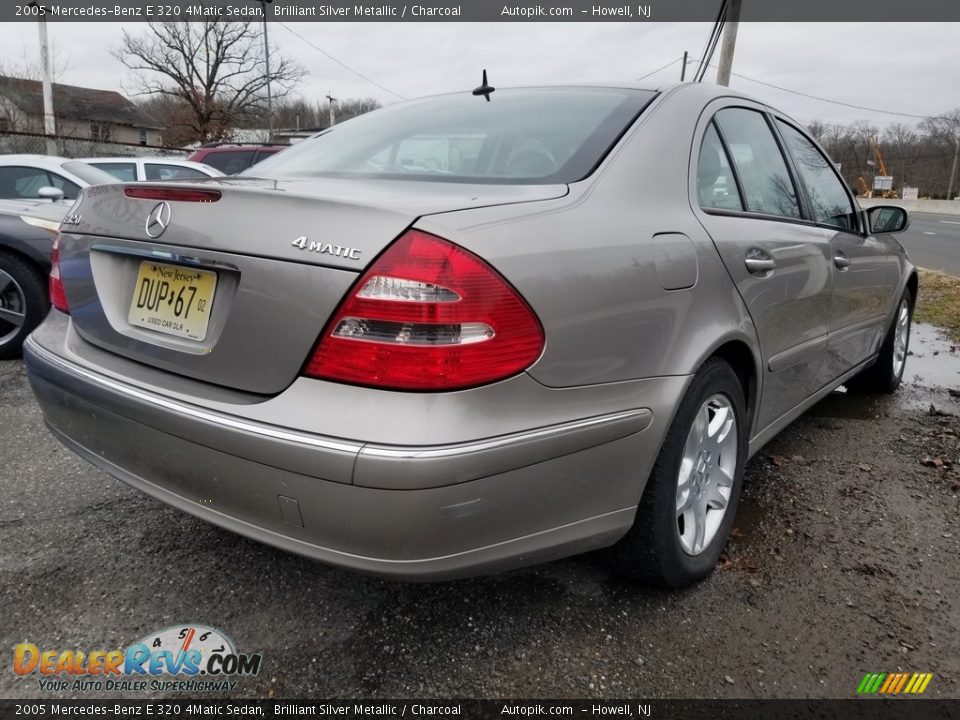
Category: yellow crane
[881,166]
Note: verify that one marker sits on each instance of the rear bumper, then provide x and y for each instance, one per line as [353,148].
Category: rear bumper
[418,512]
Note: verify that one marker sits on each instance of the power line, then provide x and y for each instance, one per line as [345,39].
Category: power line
[662,67]
[711,43]
[713,47]
[827,100]
[339,62]
[703,54]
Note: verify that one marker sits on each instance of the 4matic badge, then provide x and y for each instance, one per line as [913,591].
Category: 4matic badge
[305,243]
[182,653]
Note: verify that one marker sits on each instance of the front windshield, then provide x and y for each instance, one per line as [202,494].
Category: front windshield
[88,173]
[542,135]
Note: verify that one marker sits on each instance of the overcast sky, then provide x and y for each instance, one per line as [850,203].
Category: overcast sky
[910,67]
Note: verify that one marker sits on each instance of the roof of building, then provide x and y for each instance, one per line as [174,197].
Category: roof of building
[71,102]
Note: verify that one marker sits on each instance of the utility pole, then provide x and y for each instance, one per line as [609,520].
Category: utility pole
[953,170]
[683,70]
[49,119]
[732,18]
[333,115]
[266,58]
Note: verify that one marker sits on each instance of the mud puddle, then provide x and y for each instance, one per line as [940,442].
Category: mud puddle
[933,361]
[932,372]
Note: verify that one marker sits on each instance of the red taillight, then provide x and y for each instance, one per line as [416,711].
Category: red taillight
[157,193]
[428,315]
[58,297]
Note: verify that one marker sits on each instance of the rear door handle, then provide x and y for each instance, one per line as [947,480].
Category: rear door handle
[841,260]
[758,262]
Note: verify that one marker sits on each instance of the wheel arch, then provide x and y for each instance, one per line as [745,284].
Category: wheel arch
[913,285]
[26,250]
[745,361]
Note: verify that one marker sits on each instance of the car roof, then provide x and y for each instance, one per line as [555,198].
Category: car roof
[145,158]
[151,159]
[33,159]
[230,147]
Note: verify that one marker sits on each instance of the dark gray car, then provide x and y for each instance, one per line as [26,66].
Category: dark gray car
[27,231]
[455,336]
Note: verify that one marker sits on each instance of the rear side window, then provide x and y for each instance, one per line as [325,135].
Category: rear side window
[71,191]
[25,182]
[764,178]
[126,172]
[828,199]
[22,182]
[530,136]
[716,185]
[158,171]
[230,161]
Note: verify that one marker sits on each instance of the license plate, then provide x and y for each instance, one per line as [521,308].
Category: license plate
[173,299]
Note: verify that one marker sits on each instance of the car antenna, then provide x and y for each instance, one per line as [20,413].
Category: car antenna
[485,88]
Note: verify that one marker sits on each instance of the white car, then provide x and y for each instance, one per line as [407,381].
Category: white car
[29,177]
[131,169]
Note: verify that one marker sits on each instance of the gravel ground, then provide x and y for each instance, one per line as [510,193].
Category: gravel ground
[844,560]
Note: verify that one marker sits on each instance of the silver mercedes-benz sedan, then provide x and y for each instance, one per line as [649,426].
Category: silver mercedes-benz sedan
[455,335]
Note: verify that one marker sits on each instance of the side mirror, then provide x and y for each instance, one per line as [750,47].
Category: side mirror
[887,219]
[50,193]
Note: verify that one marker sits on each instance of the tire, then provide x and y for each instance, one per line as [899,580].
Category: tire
[654,550]
[23,302]
[886,374]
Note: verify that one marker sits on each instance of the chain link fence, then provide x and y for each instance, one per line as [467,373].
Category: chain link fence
[12,142]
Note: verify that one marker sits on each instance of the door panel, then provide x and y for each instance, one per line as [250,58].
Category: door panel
[790,306]
[865,270]
[862,298]
[782,266]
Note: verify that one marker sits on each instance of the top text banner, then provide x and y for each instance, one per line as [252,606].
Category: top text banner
[482,11]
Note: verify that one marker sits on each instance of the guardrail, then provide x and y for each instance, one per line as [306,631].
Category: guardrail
[943,207]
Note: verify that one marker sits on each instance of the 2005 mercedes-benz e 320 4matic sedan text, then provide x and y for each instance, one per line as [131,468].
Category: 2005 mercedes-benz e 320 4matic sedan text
[454,336]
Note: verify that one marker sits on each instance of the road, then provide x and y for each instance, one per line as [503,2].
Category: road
[845,560]
[933,241]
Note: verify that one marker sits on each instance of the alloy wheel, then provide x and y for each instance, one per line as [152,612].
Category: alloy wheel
[707,472]
[13,307]
[901,336]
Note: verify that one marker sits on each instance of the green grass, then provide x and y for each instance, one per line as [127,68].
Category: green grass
[939,301]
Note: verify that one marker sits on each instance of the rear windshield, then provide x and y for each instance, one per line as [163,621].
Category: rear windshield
[549,135]
[229,162]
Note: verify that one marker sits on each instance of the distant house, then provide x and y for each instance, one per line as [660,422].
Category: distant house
[100,115]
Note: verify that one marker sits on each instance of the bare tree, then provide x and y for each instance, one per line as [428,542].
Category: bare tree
[945,129]
[925,156]
[172,114]
[214,68]
[29,69]
[303,113]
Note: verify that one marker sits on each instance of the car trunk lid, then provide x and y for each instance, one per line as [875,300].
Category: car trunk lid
[260,264]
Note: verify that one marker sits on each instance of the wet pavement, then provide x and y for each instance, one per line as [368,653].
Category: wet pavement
[934,360]
[845,559]
[932,371]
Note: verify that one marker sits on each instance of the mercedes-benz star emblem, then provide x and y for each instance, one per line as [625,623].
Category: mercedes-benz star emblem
[158,219]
